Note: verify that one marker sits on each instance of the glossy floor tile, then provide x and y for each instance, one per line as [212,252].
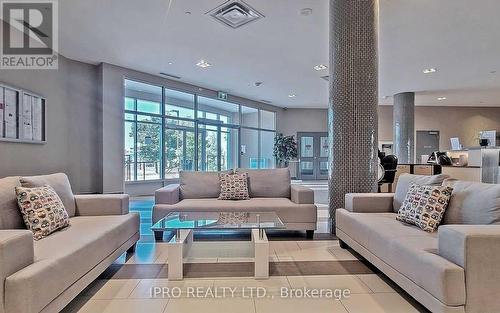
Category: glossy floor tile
[380,303]
[185,305]
[299,306]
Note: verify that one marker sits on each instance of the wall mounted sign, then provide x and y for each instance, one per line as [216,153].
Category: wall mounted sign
[22,116]
[221,95]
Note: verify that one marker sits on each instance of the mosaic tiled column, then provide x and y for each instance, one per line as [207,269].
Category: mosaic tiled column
[352,115]
[404,127]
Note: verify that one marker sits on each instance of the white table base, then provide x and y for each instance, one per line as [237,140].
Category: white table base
[178,249]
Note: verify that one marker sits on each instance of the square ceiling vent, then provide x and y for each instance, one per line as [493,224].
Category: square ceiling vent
[235,13]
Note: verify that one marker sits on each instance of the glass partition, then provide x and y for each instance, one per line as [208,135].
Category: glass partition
[249,117]
[168,131]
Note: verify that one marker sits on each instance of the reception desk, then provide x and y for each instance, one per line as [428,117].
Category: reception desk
[483,166]
[469,173]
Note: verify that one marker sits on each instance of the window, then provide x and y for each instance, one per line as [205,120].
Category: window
[179,104]
[168,131]
[143,124]
[249,117]
[267,120]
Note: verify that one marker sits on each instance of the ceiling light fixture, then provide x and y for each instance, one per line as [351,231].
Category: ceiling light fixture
[320,67]
[203,64]
[306,11]
[292,95]
[430,70]
[441,98]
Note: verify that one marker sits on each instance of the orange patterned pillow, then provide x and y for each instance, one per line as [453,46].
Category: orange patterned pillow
[233,186]
[42,210]
[424,206]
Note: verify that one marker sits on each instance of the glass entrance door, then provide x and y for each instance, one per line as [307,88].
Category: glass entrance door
[313,155]
[217,147]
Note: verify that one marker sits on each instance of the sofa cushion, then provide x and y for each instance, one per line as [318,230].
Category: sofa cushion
[404,182]
[198,185]
[270,183]
[10,216]
[65,256]
[288,211]
[474,203]
[407,249]
[233,186]
[61,185]
[42,210]
[424,206]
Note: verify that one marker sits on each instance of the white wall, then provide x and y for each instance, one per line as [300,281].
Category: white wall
[73,138]
[462,122]
[291,121]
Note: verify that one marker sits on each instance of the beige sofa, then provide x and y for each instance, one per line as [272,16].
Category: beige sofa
[456,269]
[270,191]
[45,275]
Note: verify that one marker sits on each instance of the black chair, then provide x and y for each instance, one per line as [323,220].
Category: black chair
[390,164]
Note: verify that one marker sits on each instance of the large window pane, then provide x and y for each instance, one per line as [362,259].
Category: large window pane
[207,149]
[267,145]
[221,144]
[148,118]
[229,148]
[249,148]
[148,151]
[249,117]
[148,107]
[147,96]
[267,119]
[129,104]
[179,152]
[218,111]
[179,104]
[129,151]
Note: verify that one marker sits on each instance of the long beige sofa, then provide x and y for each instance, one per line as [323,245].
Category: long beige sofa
[270,191]
[45,275]
[456,269]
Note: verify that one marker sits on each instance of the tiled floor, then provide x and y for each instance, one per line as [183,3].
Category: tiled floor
[297,264]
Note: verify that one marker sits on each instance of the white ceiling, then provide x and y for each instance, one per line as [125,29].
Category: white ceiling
[460,38]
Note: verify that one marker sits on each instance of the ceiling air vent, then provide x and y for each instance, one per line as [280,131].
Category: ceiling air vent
[170,75]
[235,13]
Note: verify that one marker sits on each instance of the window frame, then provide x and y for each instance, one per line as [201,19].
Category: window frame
[197,122]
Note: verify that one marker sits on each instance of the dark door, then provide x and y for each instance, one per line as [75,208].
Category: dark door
[313,155]
[427,142]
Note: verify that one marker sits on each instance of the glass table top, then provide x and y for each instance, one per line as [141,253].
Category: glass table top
[219,220]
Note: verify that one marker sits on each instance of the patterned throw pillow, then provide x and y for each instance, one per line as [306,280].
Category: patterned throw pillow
[424,206]
[42,210]
[233,186]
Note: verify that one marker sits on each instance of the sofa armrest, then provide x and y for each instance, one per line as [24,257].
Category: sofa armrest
[16,253]
[369,202]
[301,195]
[167,195]
[97,205]
[475,248]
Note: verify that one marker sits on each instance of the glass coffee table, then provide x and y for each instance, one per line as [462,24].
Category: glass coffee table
[184,223]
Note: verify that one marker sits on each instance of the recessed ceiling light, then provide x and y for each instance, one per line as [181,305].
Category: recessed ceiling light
[187,12]
[292,95]
[203,64]
[430,70]
[306,11]
[320,67]
[441,98]
[170,63]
